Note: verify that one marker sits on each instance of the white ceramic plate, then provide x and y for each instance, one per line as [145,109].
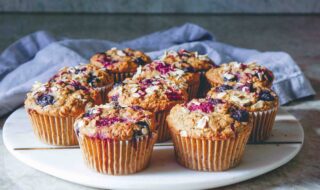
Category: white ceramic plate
[163,172]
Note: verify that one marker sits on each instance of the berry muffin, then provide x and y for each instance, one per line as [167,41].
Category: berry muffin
[116,140]
[120,63]
[209,134]
[53,108]
[191,62]
[87,75]
[160,69]
[234,72]
[155,94]
[261,103]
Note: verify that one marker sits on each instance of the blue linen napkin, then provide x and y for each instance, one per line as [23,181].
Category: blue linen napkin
[36,57]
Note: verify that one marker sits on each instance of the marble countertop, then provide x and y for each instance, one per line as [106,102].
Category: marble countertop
[297,35]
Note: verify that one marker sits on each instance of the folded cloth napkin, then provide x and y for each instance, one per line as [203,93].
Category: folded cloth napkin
[38,56]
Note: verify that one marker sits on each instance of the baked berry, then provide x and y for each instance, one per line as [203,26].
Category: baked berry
[240,115]
[266,96]
[45,99]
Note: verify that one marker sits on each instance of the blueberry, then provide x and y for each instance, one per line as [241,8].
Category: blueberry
[188,69]
[138,133]
[45,99]
[240,115]
[215,101]
[223,88]
[139,61]
[266,96]
[92,79]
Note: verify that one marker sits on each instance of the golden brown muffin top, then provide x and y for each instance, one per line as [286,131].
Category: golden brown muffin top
[61,99]
[234,72]
[87,75]
[246,96]
[208,118]
[188,60]
[154,94]
[111,121]
[160,69]
[120,61]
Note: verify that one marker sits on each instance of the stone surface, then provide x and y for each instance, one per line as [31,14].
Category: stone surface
[297,35]
[162,6]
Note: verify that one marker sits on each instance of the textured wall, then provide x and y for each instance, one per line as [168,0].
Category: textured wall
[162,6]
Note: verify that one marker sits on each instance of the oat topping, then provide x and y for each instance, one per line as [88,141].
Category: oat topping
[111,121]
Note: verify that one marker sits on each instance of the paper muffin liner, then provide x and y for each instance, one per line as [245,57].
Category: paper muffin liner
[209,155]
[193,89]
[263,122]
[119,77]
[53,130]
[103,92]
[204,86]
[117,157]
[162,126]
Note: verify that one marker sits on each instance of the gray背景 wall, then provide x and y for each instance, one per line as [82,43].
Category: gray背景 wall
[161,6]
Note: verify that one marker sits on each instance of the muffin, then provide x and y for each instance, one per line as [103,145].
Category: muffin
[53,108]
[116,140]
[120,63]
[87,75]
[158,68]
[234,72]
[191,62]
[209,134]
[261,103]
[157,95]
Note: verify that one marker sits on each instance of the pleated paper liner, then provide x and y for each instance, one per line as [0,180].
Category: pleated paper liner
[119,77]
[162,126]
[193,90]
[204,86]
[210,155]
[103,92]
[53,130]
[263,122]
[116,157]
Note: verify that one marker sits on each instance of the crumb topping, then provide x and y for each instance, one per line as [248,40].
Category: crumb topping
[111,121]
[246,95]
[85,75]
[117,60]
[187,60]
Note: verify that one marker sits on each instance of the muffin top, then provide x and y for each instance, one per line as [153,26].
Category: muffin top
[111,121]
[246,96]
[234,72]
[154,94]
[187,60]
[64,99]
[160,69]
[208,118]
[87,75]
[120,61]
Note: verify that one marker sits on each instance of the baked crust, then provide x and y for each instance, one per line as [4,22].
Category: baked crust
[61,99]
[155,94]
[111,121]
[120,61]
[160,69]
[87,75]
[188,60]
[234,72]
[246,96]
[206,118]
